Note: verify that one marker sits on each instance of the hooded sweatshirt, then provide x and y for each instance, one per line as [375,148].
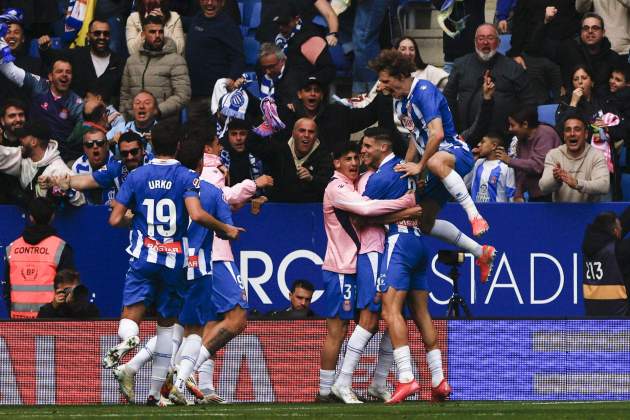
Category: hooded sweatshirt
[589,169]
[12,163]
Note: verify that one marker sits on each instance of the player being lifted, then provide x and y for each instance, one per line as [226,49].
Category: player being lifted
[403,272]
[423,110]
[341,201]
[162,195]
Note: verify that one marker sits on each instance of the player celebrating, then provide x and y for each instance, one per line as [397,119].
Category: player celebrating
[341,200]
[162,195]
[423,110]
[403,271]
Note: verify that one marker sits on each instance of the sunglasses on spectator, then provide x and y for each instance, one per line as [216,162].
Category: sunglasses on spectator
[593,28]
[92,143]
[101,33]
[131,152]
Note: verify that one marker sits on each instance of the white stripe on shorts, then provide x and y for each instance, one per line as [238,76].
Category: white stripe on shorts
[391,242]
[373,257]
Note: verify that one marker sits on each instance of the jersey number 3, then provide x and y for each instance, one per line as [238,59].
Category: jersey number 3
[161,216]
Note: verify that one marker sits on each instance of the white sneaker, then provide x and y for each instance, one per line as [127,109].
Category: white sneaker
[177,397]
[382,394]
[115,354]
[211,398]
[345,394]
[126,382]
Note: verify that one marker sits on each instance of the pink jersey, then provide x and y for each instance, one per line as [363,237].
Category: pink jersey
[341,200]
[372,237]
[235,197]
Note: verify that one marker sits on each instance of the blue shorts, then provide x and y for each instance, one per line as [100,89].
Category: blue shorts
[209,297]
[339,295]
[435,189]
[369,282]
[155,285]
[404,264]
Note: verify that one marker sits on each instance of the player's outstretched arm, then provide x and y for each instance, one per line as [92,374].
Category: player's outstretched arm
[117,216]
[199,215]
[353,202]
[410,213]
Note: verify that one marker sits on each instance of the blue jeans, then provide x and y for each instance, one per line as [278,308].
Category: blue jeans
[365,36]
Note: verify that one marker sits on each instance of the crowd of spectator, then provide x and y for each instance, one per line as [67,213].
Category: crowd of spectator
[79,112]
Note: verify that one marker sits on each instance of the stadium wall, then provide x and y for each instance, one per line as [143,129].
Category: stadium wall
[278,361]
[538,272]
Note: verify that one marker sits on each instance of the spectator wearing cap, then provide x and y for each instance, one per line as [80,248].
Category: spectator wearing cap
[214,50]
[37,155]
[16,41]
[301,167]
[592,50]
[306,51]
[108,178]
[158,69]
[32,261]
[93,65]
[335,122]
[52,100]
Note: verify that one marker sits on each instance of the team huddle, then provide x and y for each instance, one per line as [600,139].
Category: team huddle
[181,264]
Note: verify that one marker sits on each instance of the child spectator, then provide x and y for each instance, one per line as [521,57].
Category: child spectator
[491,180]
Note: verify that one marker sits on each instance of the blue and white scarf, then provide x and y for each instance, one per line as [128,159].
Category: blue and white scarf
[232,105]
[283,42]
[6,18]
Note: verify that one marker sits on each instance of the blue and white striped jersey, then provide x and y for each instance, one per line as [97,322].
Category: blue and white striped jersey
[493,182]
[155,193]
[199,237]
[425,103]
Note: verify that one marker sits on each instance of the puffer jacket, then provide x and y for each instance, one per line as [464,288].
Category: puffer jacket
[163,73]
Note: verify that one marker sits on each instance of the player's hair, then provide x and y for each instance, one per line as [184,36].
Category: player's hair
[605,222]
[67,275]
[15,103]
[165,136]
[41,210]
[190,153]
[342,149]
[496,137]
[528,114]
[302,284]
[393,63]
[593,15]
[130,137]
[379,134]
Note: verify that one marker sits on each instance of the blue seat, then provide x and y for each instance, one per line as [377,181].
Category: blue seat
[254,17]
[342,64]
[547,114]
[506,43]
[251,47]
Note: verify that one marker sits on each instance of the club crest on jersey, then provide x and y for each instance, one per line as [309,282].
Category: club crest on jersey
[346,305]
[407,122]
[196,183]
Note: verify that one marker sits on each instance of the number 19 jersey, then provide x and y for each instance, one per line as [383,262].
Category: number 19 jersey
[155,193]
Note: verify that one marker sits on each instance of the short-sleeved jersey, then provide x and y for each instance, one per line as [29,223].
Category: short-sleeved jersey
[425,103]
[199,237]
[114,173]
[155,193]
[493,182]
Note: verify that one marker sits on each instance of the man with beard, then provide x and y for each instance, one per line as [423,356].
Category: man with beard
[37,155]
[96,155]
[12,117]
[464,88]
[94,65]
[111,176]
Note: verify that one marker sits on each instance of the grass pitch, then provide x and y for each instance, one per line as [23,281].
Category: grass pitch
[458,410]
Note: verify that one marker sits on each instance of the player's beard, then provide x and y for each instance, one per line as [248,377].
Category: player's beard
[485,57]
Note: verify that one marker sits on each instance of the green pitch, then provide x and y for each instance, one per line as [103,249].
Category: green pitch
[463,410]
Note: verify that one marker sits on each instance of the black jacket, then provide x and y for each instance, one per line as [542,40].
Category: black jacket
[84,75]
[288,188]
[84,311]
[464,89]
[575,53]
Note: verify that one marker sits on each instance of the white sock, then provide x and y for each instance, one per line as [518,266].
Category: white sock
[127,328]
[456,186]
[384,362]
[434,360]
[143,356]
[448,232]
[326,380]
[204,355]
[356,344]
[402,356]
[161,359]
[206,373]
[186,364]
[178,333]
[177,357]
